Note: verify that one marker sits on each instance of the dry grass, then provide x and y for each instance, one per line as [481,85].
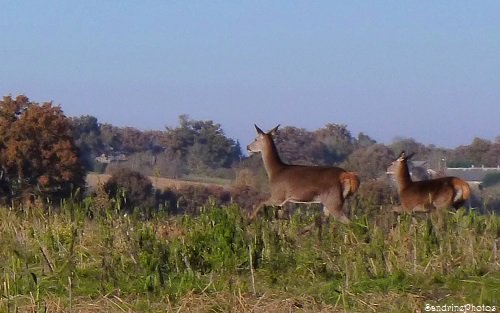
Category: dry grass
[236,302]
[357,268]
[192,302]
[161,183]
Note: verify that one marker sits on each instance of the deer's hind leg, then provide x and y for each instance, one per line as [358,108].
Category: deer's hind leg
[457,205]
[269,202]
[332,206]
[424,208]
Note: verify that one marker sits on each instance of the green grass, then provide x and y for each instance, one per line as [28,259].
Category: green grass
[208,179]
[217,262]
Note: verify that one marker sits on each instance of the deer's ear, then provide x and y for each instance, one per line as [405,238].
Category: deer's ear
[402,156]
[259,131]
[273,131]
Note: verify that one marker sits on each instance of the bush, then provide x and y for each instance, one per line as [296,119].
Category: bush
[374,193]
[132,189]
[188,199]
[247,197]
[491,179]
[191,197]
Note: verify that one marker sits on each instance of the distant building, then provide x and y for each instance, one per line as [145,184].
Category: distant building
[472,175]
[111,158]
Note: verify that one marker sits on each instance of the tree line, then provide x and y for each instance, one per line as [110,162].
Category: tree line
[44,153]
[201,148]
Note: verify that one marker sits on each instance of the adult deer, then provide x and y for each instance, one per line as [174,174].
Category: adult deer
[327,185]
[425,195]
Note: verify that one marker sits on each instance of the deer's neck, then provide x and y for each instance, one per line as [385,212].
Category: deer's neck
[271,159]
[403,177]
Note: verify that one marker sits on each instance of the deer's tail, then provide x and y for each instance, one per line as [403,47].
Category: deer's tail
[462,190]
[350,183]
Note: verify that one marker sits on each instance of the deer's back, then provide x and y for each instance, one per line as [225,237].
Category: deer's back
[438,191]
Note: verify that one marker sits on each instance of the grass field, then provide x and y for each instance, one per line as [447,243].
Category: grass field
[162,183]
[74,261]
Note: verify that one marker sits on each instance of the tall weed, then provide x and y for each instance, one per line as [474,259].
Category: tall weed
[71,255]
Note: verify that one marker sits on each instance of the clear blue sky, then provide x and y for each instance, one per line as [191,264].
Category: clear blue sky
[429,70]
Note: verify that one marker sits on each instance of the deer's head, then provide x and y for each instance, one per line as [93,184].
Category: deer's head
[263,140]
[400,162]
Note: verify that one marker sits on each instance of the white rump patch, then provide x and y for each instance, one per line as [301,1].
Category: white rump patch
[346,188]
[458,195]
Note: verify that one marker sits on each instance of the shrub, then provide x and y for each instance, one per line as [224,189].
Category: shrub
[137,190]
[374,193]
[491,179]
[191,197]
[246,197]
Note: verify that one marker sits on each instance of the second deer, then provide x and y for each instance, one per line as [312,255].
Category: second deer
[327,185]
[426,195]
